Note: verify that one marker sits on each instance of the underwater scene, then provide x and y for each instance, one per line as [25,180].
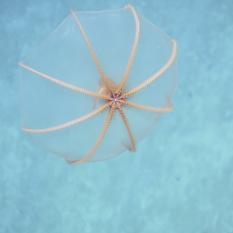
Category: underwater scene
[116,116]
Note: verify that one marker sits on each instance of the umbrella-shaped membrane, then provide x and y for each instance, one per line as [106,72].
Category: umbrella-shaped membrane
[96,86]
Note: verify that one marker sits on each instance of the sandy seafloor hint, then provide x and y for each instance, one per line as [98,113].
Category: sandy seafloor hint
[181,178]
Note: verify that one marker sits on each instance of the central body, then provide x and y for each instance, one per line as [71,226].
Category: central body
[117,99]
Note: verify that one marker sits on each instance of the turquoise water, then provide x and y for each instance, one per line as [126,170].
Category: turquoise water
[181,178]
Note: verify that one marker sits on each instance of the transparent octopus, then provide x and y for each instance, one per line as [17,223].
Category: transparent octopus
[114,95]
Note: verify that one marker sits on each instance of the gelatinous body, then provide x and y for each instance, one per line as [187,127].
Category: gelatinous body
[97,84]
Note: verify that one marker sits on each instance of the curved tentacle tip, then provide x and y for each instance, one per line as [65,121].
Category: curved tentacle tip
[72,11]
[69,161]
[128,6]
[129,147]
[22,65]
[73,162]
[133,149]
[174,41]
[175,45]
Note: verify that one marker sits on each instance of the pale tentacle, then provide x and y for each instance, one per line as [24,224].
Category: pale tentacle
[91,50]
[168,108]
[158,74]
[104,91]
[126,123]
[67,124]
[101,90]
[62,83]
[99,141]
[134,48]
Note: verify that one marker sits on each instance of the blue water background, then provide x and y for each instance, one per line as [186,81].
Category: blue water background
[181,178]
